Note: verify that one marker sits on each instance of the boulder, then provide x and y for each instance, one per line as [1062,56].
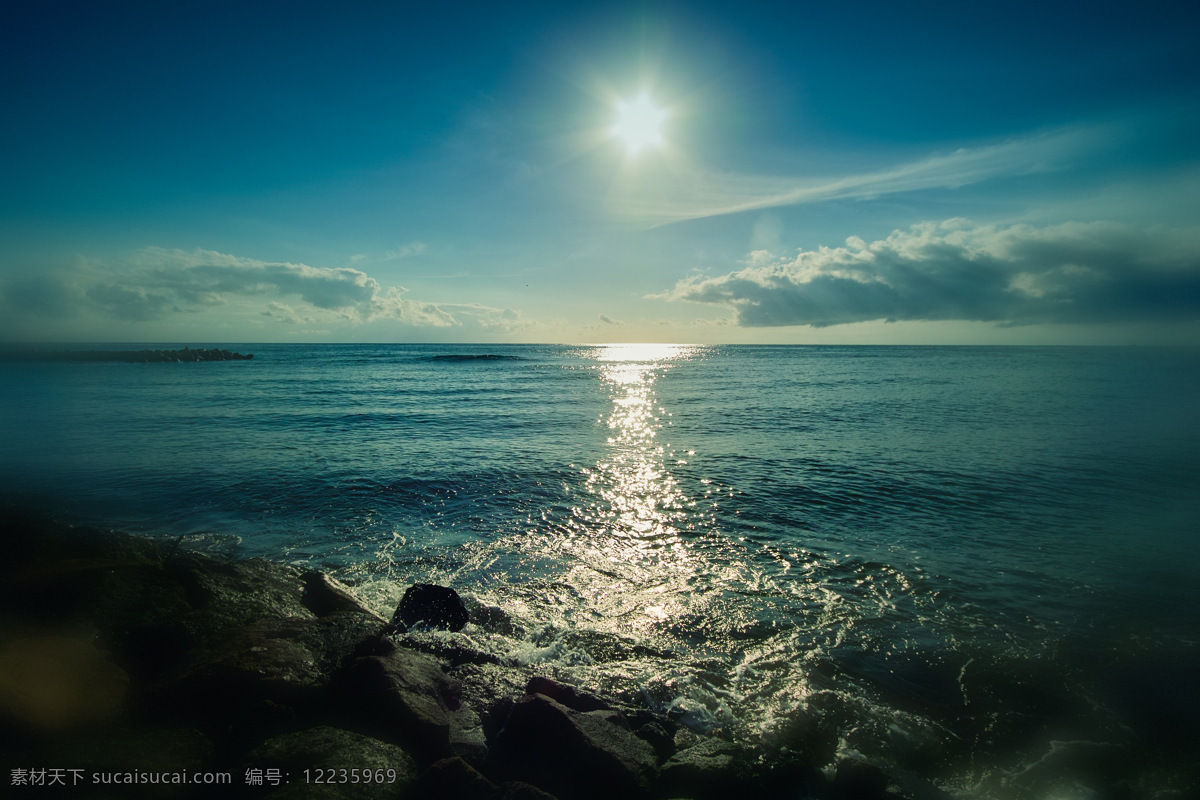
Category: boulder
[427,605]
[402,696]
[702,771]
[576,754]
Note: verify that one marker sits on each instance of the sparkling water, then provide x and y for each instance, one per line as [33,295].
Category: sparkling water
[975,564]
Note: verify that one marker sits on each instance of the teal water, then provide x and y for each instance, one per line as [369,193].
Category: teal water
[950,560]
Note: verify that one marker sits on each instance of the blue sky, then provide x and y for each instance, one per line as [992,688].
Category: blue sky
[871,172]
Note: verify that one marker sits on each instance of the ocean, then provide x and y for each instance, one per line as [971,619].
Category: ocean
[975,564]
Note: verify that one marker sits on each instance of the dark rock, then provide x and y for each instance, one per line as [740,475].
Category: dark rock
[467,736]
[302,754]
[716,769]
[231,594]
[265,660]
[571,753]
[567,695]
[656,735]
[492,619]
[858,780]
[187,354]
[324,595]
[453,779]
[428,605]
[703,771]
[402,696]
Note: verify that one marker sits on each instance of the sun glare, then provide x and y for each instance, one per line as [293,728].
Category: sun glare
[639,124]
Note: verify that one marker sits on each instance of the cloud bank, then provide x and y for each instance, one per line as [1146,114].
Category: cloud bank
[158,283]
[955,270]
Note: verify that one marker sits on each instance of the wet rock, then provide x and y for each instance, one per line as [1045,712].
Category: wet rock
[321,753]
[427,605]
[492,619]
[715,769]
[221,678]
[402,696]
[658,737]
[467,737]
[324,595]
[858,780]
[231,594]
[702,771]
[571,753]
[567,695]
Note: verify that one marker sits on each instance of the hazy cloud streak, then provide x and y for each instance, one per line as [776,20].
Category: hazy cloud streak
[1072,273]
[694,195]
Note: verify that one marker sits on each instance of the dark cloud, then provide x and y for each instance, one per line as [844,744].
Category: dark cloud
[39,295]
[334,288]
[1073,273]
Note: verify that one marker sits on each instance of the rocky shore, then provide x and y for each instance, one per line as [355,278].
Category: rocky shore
[131,667]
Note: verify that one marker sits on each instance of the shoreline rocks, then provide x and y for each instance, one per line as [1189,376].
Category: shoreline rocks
[169,660]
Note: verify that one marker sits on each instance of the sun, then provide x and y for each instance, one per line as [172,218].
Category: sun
[639,124]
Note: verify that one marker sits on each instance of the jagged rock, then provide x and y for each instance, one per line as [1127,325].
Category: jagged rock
[331,749]
[324,595]
[428,605]
[571,753]
[403,696]
[567,695]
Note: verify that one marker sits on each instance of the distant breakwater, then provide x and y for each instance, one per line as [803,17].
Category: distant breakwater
[132,356]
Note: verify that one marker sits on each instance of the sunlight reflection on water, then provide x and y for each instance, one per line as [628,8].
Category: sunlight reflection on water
[630,558]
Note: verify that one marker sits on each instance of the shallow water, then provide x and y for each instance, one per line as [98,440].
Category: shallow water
[944,559]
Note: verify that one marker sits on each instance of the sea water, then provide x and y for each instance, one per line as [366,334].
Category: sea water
[978,565]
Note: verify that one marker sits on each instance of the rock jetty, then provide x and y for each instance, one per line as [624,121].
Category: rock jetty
[133,356]
[129,660]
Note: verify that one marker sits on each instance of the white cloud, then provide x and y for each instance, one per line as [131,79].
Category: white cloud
[956,270]
[157,282]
